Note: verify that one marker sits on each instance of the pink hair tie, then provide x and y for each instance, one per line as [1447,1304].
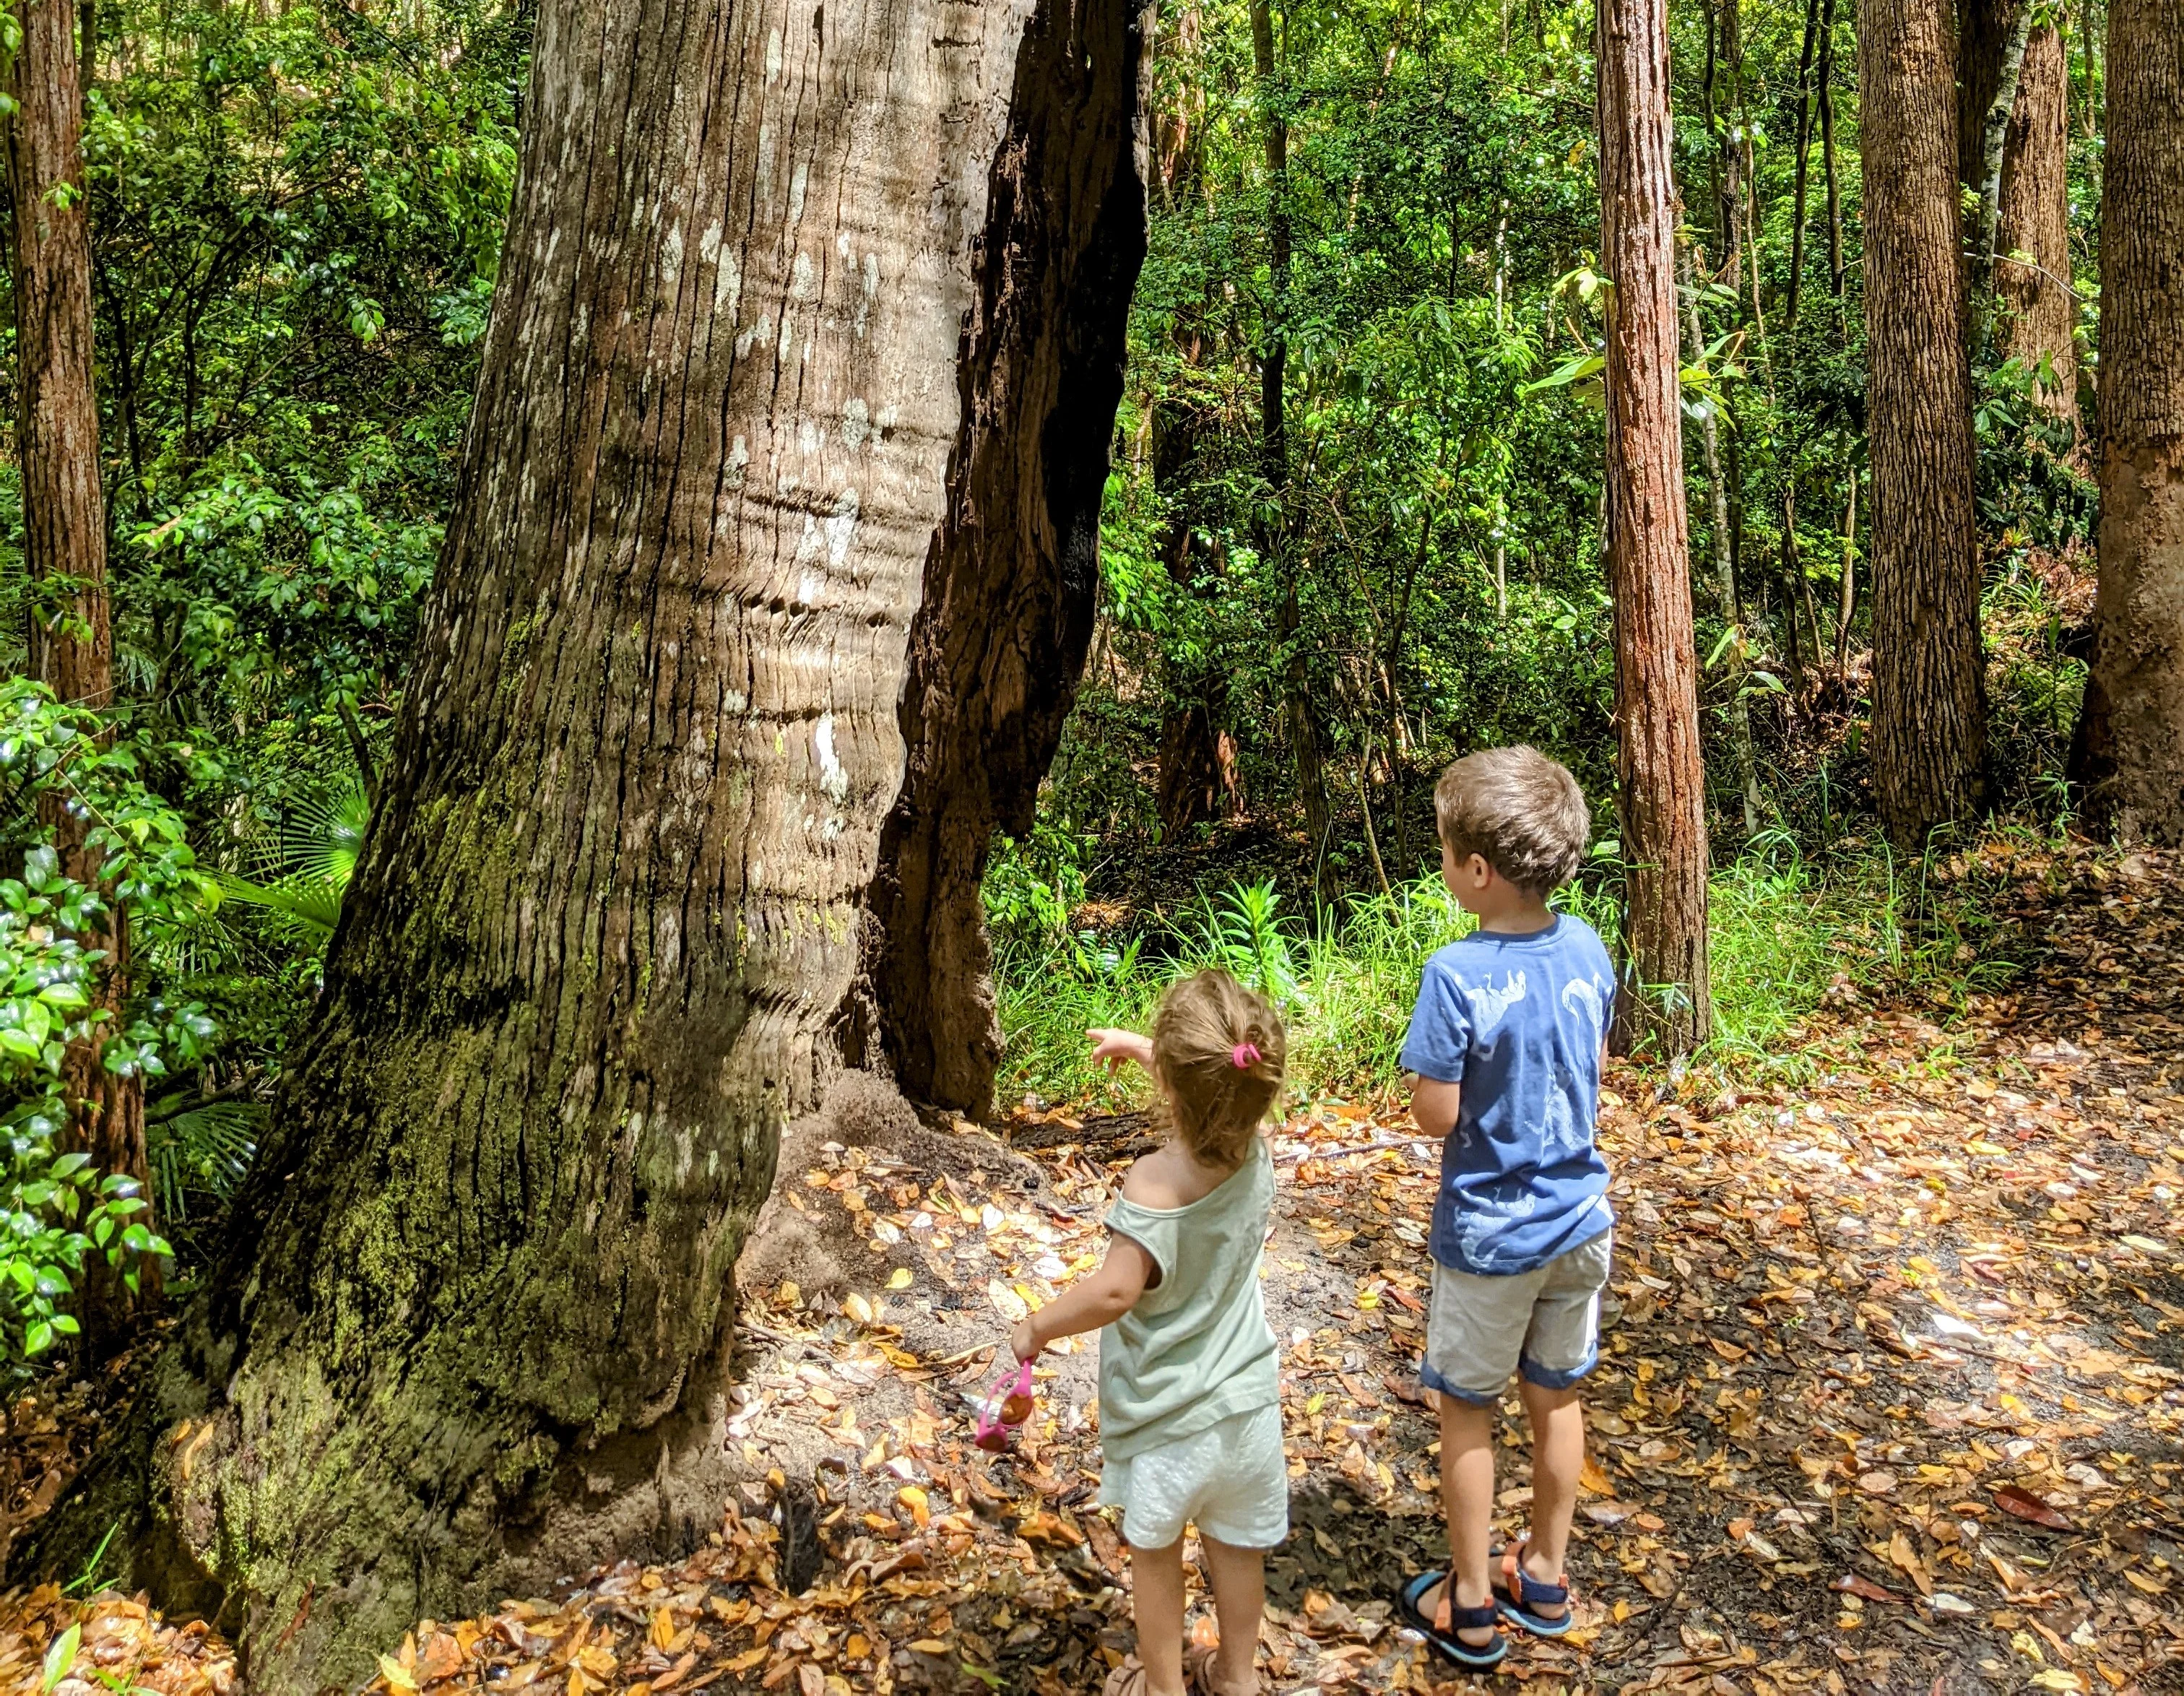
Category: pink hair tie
[1244,1055]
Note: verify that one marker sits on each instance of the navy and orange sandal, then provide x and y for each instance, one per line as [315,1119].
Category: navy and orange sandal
[1517,1593]
[1472,1657]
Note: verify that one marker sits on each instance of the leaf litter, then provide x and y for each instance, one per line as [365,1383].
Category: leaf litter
[1891,1394]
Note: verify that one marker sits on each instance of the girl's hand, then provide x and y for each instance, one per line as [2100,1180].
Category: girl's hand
[1115,1047]
[1024,1342]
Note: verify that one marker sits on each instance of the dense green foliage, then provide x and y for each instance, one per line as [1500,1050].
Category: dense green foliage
[296,211]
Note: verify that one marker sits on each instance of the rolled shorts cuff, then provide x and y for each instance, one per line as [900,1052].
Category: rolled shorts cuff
[1471,1398]
[1534,1373]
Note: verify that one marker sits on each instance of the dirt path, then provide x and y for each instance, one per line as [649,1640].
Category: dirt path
[1894,1400]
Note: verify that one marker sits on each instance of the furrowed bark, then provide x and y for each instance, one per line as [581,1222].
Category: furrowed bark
[2041,312]
[1662,789]
[2131,741]
[65,557]
[1929,721]
[767,401]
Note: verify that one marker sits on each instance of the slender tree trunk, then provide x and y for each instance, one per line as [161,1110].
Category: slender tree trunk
[2040,329]
[1828,149]
[1724,577]
[1805,58]
[1995,127]
[2130,751]
[1929,721]
[1662,782]
[777,515]
[65,553]
[1847,587]
[1276,533]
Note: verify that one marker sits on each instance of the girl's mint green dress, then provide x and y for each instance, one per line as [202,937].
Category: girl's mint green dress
[1190,1395]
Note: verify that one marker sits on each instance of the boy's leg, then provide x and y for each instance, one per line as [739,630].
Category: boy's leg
[1240,1600]
[1156,1606]
[1558,1457]
[1561,1346]
[1467,1491]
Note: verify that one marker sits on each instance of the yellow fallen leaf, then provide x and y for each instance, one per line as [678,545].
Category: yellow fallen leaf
[2058,1678]
[662,1631]
[899,1279]
[914,1499]
[928,1646]
[397,1677]
[1594,1482]
[858,1308]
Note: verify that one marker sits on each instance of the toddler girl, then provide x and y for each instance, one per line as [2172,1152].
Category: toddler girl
[1190,1420]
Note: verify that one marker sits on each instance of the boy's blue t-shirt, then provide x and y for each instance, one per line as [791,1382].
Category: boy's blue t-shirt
[1518,1021]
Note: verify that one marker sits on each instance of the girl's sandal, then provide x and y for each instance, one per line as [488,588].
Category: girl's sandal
[1198,1663]
[1126,1680]
[1472,1657]
[1517,1593]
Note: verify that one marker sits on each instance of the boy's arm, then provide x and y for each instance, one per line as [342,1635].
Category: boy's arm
[1433,1107]
[1099,1298]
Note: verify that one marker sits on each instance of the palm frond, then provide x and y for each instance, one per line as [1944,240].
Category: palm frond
[198,1146]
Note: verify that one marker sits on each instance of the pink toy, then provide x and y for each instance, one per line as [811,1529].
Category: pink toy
[1007,1405]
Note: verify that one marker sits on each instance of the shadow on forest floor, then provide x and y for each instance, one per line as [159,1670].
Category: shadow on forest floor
[1894,1400]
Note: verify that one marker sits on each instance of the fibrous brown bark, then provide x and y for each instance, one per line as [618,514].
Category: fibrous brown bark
[1929,721]
[2131,753]
[1662,790]
[2040,318]
[64,554]
[804,325]
[2012,95]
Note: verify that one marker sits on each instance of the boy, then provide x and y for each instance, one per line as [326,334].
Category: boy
[1506,1045]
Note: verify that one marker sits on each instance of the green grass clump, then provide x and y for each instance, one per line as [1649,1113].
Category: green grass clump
[1784,931]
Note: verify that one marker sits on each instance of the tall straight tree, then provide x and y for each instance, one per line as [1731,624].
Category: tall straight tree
[1928,718]
[2131,752]
[2013,158]
[2033,269]
[1662,782]
[1299,722]
[65,553]
[770,572]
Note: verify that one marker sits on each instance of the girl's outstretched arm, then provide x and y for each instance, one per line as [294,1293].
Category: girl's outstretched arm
[1114,1046]
[1099,1297]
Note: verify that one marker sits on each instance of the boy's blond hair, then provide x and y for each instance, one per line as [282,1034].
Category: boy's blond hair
[1219,1051]
[1521,812]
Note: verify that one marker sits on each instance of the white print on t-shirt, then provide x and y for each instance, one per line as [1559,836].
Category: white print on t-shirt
[1582,999]
[1490,1005]
[1482,1218]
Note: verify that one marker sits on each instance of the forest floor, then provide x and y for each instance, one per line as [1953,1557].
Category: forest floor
[1891,1397]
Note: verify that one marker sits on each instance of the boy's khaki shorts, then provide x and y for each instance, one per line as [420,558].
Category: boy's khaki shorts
[1544,1323]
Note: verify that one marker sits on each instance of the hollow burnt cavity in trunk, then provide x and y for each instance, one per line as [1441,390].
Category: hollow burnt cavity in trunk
[1000,639]
[805,349]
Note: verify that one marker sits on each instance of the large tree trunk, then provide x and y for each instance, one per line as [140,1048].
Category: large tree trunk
[64,554]
[1929,721]
[787,437]
[2040,321]
[1662,798]
[2130,754]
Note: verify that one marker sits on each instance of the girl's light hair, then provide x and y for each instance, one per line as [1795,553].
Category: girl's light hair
[1218,1052]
